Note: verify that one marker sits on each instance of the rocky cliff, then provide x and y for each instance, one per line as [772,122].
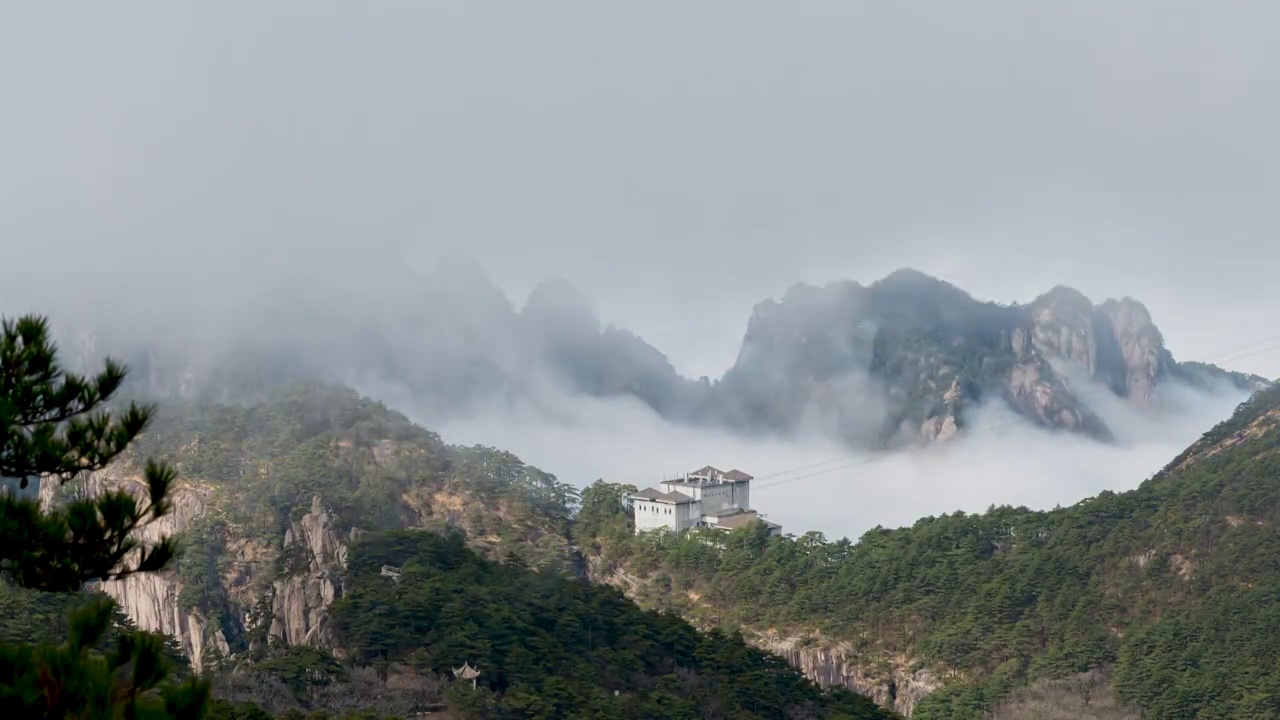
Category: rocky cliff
[303,592]
[271,496]
[908,358]
[891,682]
[297,597]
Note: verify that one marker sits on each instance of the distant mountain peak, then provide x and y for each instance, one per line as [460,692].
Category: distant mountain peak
[557,299]
[1065,295]
[908,275]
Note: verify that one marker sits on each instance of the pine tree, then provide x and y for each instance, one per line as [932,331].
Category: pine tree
[55,426]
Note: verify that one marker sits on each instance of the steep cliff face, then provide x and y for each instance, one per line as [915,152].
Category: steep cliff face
[311,556]
[1037,391]
[1141,347]
[1115,343]
[904,359]
[301,598]
[152,599]
[892,682]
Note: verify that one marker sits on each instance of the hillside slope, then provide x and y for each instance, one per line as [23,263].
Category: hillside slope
[290,512]
[944,618]
[272,494]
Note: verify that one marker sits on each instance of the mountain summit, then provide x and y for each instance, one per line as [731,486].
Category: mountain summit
[904,360]
[907,358]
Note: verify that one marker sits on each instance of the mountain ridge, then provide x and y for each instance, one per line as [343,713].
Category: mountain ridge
[943,619]
[901,361]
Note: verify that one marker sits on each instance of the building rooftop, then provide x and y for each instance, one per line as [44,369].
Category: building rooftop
[708,475]
[659,496]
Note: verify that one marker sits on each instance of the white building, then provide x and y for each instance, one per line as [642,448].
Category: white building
[703,498]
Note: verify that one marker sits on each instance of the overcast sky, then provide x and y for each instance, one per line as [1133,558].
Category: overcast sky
[677,161]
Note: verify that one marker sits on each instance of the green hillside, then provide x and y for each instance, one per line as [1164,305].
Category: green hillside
[550,646]
[1174,586]
[488,575]
[1004,609]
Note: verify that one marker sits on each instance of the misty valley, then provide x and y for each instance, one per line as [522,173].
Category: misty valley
[639,361]
[332,556]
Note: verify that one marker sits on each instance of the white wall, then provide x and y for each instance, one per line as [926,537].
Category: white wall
[653,515]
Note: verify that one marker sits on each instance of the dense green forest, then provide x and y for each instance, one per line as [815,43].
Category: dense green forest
[550,646]
[1180,574]
[257,467]
[262,463]
[546,645]
[488,576]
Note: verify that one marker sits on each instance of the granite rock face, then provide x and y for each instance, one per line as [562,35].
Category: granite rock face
[151,599]
[298,599]
[891,684]
[301,600]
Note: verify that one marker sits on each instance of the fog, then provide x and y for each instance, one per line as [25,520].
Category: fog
[814,485]
[673,161]
[274,184]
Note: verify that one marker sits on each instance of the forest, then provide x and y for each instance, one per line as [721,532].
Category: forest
[551,646]
[1183,572]
[1138,586]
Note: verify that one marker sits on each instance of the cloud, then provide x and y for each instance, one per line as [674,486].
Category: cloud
[212,178]
[190,163]
[809,484]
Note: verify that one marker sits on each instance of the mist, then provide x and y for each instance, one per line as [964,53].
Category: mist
[807,483]
[178,167]
[271,192]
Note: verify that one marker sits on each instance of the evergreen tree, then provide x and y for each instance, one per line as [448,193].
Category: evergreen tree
[55,426]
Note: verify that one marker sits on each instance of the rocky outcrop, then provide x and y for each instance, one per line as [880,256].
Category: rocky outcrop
[929,351]
[1115,343]
[313,555]
[944,426]
[1140,346]
[301,598]
[151,599]
[1063,326]
[893,683]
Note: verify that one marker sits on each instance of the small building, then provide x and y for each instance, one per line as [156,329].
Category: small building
[658,509]
[707,497]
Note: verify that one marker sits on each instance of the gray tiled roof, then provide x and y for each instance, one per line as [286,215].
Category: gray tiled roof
[659,496]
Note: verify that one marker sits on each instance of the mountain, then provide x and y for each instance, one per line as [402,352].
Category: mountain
[287,506]
[905,360]
[1113,598]
[334,554]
